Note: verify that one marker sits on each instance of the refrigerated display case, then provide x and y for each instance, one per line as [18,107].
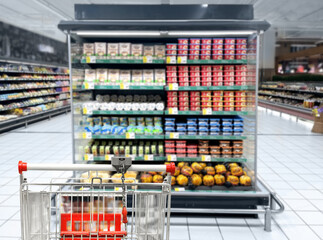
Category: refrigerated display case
[161,90]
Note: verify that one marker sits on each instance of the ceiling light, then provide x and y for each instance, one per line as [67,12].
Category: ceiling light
[205,5]
[117,33]
[209,33]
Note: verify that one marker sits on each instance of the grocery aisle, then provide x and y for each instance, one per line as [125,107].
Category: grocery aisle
[290,160]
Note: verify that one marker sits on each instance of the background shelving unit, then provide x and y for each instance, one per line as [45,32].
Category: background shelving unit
[31,92]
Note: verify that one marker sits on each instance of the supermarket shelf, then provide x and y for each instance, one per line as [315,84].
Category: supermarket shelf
[99,112]
[132,87]
[292,90]
[208,137]
[202,88]
[7,90]
[281,96]
[30,80]
[213,113]
[50,94]
[289,109]
[137,158]
[34,104]
[29,72]
[121,61]
[217,61]
[126,137]
[25,120]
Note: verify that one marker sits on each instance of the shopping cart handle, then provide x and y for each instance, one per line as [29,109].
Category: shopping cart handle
[23,167]
[124,215]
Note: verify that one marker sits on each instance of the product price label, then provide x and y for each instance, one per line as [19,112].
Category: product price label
[87,110]
[88,157]
[91,59]
[173,86]
[172,158]
[206,158]
[131,156]
[117,189]
[171,60]
[207,111]
[108,157]
[182,59]
[179,189]
[148,59]
[130,135]
[149,157]
[89,85]
[86,135]
[174,135]
[173,110]
[124,85]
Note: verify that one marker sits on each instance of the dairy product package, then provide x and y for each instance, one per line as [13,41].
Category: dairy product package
[160,77]
[113,49]
[102,75]
[88,49]
[136,76]
[100,49]
[160,51]
[125,49]
[90,75]
[136,50]
[148,50]
[114,76]
[125,76]
[148,76]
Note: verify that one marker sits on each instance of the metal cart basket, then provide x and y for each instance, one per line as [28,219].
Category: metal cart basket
[96,207]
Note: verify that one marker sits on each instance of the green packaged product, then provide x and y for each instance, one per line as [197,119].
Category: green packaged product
[117,143]
[87,150]
[130,143]
[160,149]
[132,121]
[116,150]
[121,150]
[123,143]
[101,151]
[104,143]
[140,150]
[140,121]
[147,149]
[149,121]
[134,150]
[157,121]
[107,150]
[153,149]
[95,150]
[127,150]
[110,143]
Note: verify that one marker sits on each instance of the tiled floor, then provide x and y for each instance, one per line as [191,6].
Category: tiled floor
[290,161]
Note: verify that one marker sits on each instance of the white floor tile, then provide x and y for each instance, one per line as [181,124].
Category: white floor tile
[299,232]
[179,232]
[311,194]
[275,234]
[318,230]
[243,233]
[311,218]
[301,205]
[201,221]
[231,221]
[288,218]
[196,232]
[10,229]
[8,212]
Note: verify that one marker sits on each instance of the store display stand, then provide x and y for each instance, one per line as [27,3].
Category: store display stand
[109,28]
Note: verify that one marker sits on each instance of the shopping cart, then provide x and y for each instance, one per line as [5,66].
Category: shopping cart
[95,208]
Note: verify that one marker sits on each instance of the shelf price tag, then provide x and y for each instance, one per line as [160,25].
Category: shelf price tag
[174,135]
[171,59]
[86,135]
[108,157]
[206,158]
[124,85]
[148,59]
[130,135]
[182,59]
[207,111]
[179,189]
[173,86]
[88,157]
[89,85]
[117,189]
[87,110]
[132,156]
[172,158]
[173,110]
[91,59]
[149,157]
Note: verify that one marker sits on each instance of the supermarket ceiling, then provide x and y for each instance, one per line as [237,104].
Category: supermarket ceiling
[290,18]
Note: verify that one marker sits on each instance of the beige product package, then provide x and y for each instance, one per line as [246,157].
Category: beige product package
[148,76]
[102,75]
[88,49]
[160,51]
[148,51]
[100,49]
[136,50]
[113,49]
[136,77]
[125,76]
[90,75]
[114,76]
[125,49]
[160,76]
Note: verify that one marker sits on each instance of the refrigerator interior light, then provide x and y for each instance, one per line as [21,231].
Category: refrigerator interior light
[117,33]
[209,33]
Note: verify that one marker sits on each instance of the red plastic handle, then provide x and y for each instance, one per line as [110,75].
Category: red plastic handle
[170,168]
[22,167]
[124,215]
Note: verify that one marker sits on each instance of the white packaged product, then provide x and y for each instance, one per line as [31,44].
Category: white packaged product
[114,76]
[127,106]
[100,49]
[102,75]
[125,49]
[148,50]
[160,76]
[111,106]
[113,49]
[136,77]
[136,50]
[160,106]
[160,51]
[148,76]
[119,106]
[104,106]
[125,76]
[90,75]
[151,106]
[143,106]
[135,106]
[88,49]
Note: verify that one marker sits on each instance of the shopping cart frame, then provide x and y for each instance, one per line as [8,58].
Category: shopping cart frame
[165,186]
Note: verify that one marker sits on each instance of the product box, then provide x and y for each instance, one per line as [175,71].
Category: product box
[90,75]
[136,76]
[100,49]
[137,50]
[148,50]
[88,49]
[102,75]
[160,76]
[125,76]
[113,49]
[125,49]
[114,76]
[148,76]
[159,51]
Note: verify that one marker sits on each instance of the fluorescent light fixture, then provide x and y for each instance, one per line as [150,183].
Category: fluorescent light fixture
[209,33]
[205,5]
[118,33]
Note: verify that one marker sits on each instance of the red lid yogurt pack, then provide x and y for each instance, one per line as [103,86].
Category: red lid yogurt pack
[205,57]
[241,41]
[231,51]
[195,104]
[171,46]
[172,94]
[217,51]
[183,68]
[206,52]
[182,52]
[217,79]
[195,40]
[183,84]
[195,73]
[194,51]
[195,99]
[229,57]
[195,84]
[206,68]
[195,94]
[183,108]
[217,47]
[217,41]
[228,93]
[171,79]
[206,40]
[217,57]
[241,56]
[217,67]
[217,109]
[171,68]
[206,47]
[183,93]
[241,46]
[195,79]
[183,74]
[218,74]
[195,47]
[171,51]
[240,83]
[241,51]
[195,108]
[206,74]
[206,84]
[194,68]
[228,73]
[241,67]
[229,41]
[217,83]
[229,46]
[228,67]
[182,47]
[183,41]
[194,57]
[171,74]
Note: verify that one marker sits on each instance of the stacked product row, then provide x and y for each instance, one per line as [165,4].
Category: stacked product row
[122,125]
[215,100]
[210,75]
[5,77]
[208,48]
[32,93]
[27,102]
[32,85]
[205,126]
[132,77]
[8,67]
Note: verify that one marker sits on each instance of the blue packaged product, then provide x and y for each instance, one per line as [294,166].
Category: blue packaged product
[167,133]
[169,129]
[114,121]
[215,123]
[181,127]
[203,133]
[123,121]
[214,120]
[226,128]
[227,132]
[96,129]
[213,133]
[203,128]
[106,129]
[169,121]
[227,122]
[114,129]
[181,132]
[191,133]
[238,129]
[237,133]
[191,128]
[214,129]
[191,120]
